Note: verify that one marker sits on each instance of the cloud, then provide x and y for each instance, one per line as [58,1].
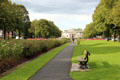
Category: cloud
[66,14]
[61,6]
[64,21]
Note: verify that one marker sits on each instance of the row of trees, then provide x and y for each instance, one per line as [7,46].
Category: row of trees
[45,29]
[13,18]
[106,20]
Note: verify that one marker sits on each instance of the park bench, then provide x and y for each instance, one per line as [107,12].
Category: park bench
[84,61]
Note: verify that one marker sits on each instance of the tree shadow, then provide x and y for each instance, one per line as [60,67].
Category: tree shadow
[101,50]
[101,70]
[105,71]
[92,45]
[95,49]
[103,65]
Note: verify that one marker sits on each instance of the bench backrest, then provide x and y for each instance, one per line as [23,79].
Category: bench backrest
[86,53]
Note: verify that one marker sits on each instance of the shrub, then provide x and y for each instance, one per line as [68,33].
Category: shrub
[31,48]
[26,48]
[10,49]
[77,41]
[11,52]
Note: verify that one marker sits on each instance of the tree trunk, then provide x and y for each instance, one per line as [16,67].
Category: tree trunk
[12,34]
[119,37]
[108,34]
[8,35]
[114,36]
[19,33]
[107,38]
[4,33]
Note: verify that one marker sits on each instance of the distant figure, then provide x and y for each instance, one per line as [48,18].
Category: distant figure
[73,39]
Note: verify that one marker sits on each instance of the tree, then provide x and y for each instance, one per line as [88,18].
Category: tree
[5,16]
[13,17]
[44,28]
[99,18]
[90,31]
[55,31]
[115,18]
[22,20]
[103,18]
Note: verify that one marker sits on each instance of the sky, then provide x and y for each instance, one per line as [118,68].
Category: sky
[66,14]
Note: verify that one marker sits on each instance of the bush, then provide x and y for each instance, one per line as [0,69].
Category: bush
[10,49]
[26,48]
[14,52]
[31,48]
[77,41]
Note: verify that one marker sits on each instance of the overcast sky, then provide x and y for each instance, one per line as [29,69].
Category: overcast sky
[66,14]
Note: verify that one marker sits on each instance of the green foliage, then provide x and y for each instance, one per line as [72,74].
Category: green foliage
[10,49]
[45,29]
[26,71]
[78,41]
[99,17]
[103,61]
[90,31]
[106,18]
[13,17]
[26,48]
[115,14]
[31,48]
[22,20]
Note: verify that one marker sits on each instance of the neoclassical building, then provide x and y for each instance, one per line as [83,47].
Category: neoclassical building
[77,33]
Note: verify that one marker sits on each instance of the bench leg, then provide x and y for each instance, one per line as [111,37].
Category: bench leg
[82,65]
[86,65]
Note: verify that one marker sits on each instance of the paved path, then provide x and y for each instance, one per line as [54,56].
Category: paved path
[58,68]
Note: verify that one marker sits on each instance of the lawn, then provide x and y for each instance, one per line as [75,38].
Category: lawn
[29,69]
[104,60]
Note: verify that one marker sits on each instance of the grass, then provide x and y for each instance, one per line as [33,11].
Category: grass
[104,60]
[29,69]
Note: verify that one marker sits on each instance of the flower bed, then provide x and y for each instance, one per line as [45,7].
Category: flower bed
[95,39]
[14,52]
[36,39]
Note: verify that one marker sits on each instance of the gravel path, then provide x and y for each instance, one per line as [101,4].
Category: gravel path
[58,68]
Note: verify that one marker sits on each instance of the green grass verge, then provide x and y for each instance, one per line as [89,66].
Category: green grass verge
[29,69]
[104,60]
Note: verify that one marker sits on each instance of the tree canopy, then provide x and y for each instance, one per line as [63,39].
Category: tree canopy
[90,31]
[13,17]
[106,18]
[45,29]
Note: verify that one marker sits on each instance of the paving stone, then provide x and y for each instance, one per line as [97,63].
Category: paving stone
[76,68]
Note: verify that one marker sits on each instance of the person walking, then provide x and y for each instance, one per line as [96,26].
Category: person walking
[73,39]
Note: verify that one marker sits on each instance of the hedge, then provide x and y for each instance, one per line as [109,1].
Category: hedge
[12,51]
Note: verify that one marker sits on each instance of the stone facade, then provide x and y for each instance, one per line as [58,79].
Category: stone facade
[77,33]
